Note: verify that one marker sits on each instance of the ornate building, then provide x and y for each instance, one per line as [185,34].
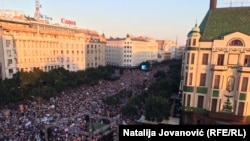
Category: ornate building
[216,68]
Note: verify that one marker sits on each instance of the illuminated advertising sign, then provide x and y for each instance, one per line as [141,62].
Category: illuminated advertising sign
[70,22]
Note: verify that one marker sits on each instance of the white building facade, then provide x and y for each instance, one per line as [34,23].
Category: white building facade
[130,51]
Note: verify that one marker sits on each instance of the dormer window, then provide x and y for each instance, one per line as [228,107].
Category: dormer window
[236,43]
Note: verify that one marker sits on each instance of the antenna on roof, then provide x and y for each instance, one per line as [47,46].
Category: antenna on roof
[37,12]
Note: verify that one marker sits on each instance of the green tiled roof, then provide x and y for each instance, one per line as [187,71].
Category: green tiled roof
[222,21]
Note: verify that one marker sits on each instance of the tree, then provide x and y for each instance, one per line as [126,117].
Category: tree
[157,109]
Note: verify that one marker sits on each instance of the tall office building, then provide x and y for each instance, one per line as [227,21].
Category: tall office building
[215,83]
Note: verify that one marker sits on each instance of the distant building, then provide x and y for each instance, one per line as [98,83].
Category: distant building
[162,53]
[216,68]
[168,50]
[96,50]
[130,51]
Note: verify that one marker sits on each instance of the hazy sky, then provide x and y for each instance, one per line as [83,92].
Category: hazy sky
[159,19]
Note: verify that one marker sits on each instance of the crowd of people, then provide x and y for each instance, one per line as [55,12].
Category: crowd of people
[70,116]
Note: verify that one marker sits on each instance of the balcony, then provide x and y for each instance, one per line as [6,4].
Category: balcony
[218,68]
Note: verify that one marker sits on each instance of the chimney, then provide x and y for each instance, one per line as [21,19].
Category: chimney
[213,4]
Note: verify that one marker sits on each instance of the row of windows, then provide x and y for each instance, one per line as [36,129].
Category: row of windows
[44,44]
[38,60]
[127,42]
[54,52]
[128,60]
[217,81]
[91,46]
[236,42]
[187,100]
[214,103]
[220,59]
[92,52]
[244,83]
[128,51]
[128,47]
[92,64]
[128,56]
[45,68]
[191,42]
[189,77]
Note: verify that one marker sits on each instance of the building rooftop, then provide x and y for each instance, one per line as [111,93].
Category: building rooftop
[222,21]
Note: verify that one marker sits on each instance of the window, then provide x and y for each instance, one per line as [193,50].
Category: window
[244,84]
[220,60]
[205,59]
[192,58]
[214,105]
[9,53]
[194,42]
[9,61]
[189,42]
[188,58]
[202,79]
[247,61]
[184,99]
[216,81]
[200,101]
[190,78]
[7,43]
[241,108]
[236,43]
[188,100]
[10,71]
[186,77]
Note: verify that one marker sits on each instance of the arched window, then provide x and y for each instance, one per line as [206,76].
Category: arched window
[236,43]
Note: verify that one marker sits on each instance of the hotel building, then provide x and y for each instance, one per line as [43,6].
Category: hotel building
[130,51]
[215,83]
[27,43]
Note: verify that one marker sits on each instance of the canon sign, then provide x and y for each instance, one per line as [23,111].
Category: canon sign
[70,22]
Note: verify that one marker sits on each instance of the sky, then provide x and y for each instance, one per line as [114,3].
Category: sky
[158,19]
